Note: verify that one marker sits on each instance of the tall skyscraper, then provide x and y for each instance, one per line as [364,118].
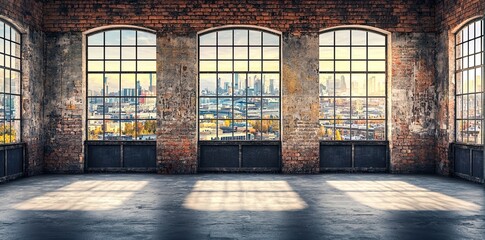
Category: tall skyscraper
[236,82]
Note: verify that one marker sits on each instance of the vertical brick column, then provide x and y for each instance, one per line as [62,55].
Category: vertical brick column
[176,103]
[300,104]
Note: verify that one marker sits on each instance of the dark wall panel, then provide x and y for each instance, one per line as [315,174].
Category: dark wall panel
[14,161]
[219,156]
[370,156]
[139,156]
[477,163]
[2,163]
[462,160]
[332,156]
[104,156]
[260,156]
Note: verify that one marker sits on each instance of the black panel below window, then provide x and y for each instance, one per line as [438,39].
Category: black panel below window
[140,156]
[333,156]
[14,161]
[219,156]
[368,156]
[462,161]
[2,163]
[104,156]
[260,157]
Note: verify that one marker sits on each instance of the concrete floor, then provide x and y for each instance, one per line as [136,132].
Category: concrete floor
[241,206]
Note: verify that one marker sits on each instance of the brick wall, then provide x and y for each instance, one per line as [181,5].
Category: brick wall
[449,15]
[412,125]
[27,15]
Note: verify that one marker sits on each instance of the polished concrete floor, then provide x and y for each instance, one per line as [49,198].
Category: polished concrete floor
[241,206]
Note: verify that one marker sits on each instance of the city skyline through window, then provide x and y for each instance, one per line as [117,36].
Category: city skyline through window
[352,85]
[239,85]
[121,85]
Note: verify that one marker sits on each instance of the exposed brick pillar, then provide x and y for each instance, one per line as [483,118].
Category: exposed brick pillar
[176,104]
[300,144]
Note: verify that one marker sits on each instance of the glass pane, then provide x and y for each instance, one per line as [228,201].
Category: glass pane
[95,53]
[15,132]
[207,53]
[254,128]
[376,108]
[112,53]
[254,37]
[224,52]
[327,86]
[359,53]
[224,83]
[359,37]
[14,108]
[2,79]
[326,52]
[359,85]
[226,129]
[112,130]
[147,53]
[342,108]
[327,108]
[95,84]
[271,108]
[271,84]
[326,38]
[224,66]
[459,130]
[207,108]
[271,52]
[207,130]
[7,31]
[342,37]
[464,77]
[254,85]
[376,39]
[112,66]
[96,39]
[255,53]
[128,66]
[377,84]
[342,66]
[95,66]
[471,81]
[240,37]
[146,130]
[239,84]
[208,39]
[207,84]
[240,130]
[128,52]
[240,110]
[2,29]
[342,85]
[128,108]
[271,66]
[254,108]
[112,37]
[112,108]
[7,81]
[15,82]
[342,130]
[377,129]
[128,130]
[478,80]
[146,108]
[377,53]
[240,53]
[326,130]
[359,66]
[465,106]
[241,66]
[146,84]
[270,39]
[224,37]
[95,108]
[224,108]
[459,107]
[127,84]
[147,66]
[271,129]
[377,66]
[359,108]
[128,37]
[2,106]
[255,66]
[479,133]
[146,38]
[358,130]
[112,84]
[342,53]
[207,66]
[95,130]
[471,106]
[16,50]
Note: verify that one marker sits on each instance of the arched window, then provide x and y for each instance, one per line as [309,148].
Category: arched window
[353,85]
[121,85]
[239,85]
[469,91]
[10,84]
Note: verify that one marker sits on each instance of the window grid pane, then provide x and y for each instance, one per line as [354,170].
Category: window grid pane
[121,85]
[468,88]
[239,85]
[353,85]
[10,85]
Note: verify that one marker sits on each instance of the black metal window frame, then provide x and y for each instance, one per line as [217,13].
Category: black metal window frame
[262,60]
[461,57]
[9,59]
[136,120]
[367,72]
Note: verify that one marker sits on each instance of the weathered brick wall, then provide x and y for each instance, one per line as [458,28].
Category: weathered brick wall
[449,15]
[412,87]
[27,15]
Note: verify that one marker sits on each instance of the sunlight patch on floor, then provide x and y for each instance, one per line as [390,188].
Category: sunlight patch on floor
[400,196]
[243,196]
[84,196]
